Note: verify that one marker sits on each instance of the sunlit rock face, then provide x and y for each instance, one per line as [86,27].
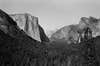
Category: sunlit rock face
[30,25]
[71,33]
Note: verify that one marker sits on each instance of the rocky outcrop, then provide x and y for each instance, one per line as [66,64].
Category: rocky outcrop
[71,33]
[30,26]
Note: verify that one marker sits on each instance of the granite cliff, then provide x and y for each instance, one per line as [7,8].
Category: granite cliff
[29,24]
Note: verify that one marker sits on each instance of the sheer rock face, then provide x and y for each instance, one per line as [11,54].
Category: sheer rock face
[30,26]
[71,33]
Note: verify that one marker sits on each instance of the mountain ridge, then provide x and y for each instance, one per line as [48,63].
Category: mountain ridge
[70,33]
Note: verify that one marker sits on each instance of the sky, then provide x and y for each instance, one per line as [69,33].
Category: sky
[54,14]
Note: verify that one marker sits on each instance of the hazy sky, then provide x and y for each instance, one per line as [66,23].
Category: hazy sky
[54,13]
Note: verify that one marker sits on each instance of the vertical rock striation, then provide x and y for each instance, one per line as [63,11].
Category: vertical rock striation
[30,26]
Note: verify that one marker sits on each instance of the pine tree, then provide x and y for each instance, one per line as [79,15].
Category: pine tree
[90,53]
